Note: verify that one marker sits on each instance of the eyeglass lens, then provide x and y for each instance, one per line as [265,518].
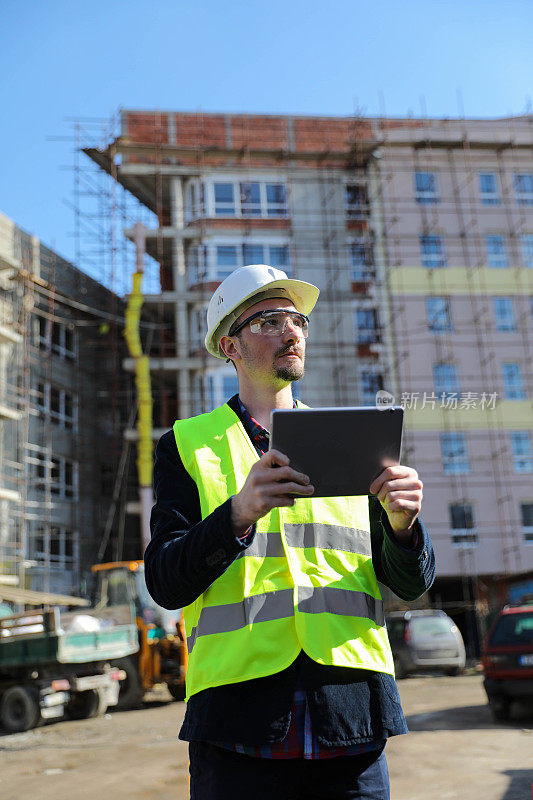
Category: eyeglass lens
[275,324]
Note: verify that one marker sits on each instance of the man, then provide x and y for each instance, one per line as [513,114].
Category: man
[290,681]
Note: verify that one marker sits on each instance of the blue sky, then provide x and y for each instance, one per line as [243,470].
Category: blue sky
[66,59]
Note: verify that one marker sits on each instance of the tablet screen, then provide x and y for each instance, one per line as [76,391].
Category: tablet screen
[341,449]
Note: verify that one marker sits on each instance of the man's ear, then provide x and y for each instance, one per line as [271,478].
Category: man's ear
[229,348]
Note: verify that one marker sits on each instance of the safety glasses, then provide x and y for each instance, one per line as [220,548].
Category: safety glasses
[274,323]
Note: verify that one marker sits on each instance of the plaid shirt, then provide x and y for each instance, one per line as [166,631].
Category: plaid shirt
[300,742]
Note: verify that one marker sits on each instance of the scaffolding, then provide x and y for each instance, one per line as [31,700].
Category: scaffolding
[350,222]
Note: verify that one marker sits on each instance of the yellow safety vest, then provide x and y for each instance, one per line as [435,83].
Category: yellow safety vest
[306,582]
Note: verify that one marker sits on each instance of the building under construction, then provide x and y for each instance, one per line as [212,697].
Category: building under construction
[419,233]
[64,404]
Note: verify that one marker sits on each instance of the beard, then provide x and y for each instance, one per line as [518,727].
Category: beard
[292,371]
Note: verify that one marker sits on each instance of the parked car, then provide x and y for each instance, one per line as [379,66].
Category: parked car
[508,660]
[425,639]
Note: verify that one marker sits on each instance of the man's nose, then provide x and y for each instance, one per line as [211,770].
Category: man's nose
[292,331]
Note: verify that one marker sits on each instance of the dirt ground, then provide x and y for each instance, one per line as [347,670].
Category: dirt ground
[454,752]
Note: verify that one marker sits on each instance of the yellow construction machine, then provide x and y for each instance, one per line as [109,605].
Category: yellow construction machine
[162,656]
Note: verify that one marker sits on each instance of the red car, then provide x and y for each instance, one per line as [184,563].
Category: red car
[508,659]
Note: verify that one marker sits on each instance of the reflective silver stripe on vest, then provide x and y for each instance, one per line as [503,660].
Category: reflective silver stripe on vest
[328,537]
[320,599]
[259,608]
[265,545]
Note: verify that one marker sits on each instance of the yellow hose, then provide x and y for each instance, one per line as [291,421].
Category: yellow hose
[142,382]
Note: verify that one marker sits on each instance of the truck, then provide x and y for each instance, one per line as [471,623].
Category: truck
[57,662]
[162,655]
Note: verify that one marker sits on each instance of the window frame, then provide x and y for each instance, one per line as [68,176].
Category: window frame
[363,270]
[202,259]
[430,195]
[454,451]
[509,392]
[432,318]
[440,385]
[59,418]
[522,458]
[527,530]
[369,397]
[524,197]
[526,244]
[367,334]
[264,208]
[496,259]
[432,258]
[504,322]
[465,536]
[359,208]
[60,487]
[489,198]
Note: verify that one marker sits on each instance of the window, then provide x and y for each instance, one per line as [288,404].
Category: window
[38,465]
[198,328]
[57,544]
[526,241]
[521,450]
[439,314]
[63,341]
[197,263]
[226,260]
[462,525]
[214,262]
[426,187]
[432,248]
[446,378]
[513,385]
[224,199]
[488,189]
[275,255]
[366,323]
[279,257]
[43,336]
[523,187]
[371,383]
[504,313]
[194,201]
[250,199]
[496,254]
[234,198]
[253,254]
[276,200]
[454,453]
[356,200]
[526,512]
[64,478]
[42,397]
[361,256]
[61,405]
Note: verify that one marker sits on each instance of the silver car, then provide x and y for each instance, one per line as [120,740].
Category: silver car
[425,639]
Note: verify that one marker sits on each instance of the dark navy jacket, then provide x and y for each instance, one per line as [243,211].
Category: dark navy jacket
[186,554]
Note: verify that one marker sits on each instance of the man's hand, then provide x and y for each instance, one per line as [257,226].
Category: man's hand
[270,484]
[399,491]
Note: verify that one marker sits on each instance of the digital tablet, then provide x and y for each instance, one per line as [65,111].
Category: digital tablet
[341,449]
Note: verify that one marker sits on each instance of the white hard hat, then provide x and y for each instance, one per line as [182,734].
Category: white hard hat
[243,288]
